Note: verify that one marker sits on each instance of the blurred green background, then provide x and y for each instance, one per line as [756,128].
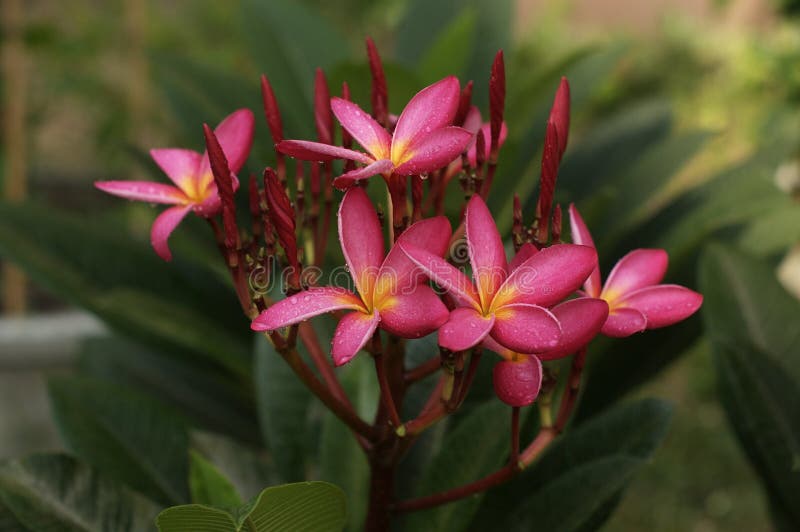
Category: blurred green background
[93,84]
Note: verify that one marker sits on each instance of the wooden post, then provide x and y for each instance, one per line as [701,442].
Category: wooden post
[15,138]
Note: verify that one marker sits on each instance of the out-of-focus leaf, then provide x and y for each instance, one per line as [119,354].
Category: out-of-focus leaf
[757,357]
[451,51]
[210,398]
[403,82]
[283,403]
[8,521]
[478,445]
[577,481]
[341,459]
[130,437]
[208,485]
[180,306]
[305,506]
[774,232]
[56,492]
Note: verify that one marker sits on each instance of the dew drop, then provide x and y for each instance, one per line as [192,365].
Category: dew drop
[294,301]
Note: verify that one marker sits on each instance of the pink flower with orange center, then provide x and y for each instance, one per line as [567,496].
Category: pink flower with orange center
[635,298]
[423,140]
[194,187]
[390,293]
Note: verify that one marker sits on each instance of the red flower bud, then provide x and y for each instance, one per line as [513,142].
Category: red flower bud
[225,187]
[323,115]
[281,214]
[497,102]
[380,91]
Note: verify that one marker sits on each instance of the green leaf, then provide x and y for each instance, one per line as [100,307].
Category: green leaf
[57,493]
[605,450]
[757,357]
[208,485]
[8,522]
[774,232]
[283,403]
[305,506]
[476,446]
[130,437]
[180,306]
[449,54]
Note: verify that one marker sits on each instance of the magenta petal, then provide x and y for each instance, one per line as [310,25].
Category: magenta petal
[163,226]
[664,304]
[526,328]
[622,322]
[304,305]
[464,329]
[486,252]
[581,320]
[517,382]
[434,151]
[367,132]
[638,269]
[181,166]
[549,276]
[306,150]
[581,235]
[361,238]
[414,314]
[486,129]
[525,252]
[432,235]
[352,333]
[431,108]
[235,135]
[348,179]
[443,273]
[492,345]
[473,120]
[143,191]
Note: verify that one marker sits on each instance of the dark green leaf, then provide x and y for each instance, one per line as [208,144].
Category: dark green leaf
[209,486]
[130,437]
[195,518]
[449,54]
[56,493]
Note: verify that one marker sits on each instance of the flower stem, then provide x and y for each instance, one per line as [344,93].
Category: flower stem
[423,370]
[383,380]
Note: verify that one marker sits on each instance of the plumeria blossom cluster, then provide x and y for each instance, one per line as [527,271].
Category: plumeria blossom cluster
[541,302]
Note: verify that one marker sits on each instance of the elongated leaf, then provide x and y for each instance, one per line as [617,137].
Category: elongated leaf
[622,437]
[209,486]
[283,403]
[449,54]
[477,446]
[130,437]
[181,305]
[757,357]
[8,521]
[59,494]
[775,232]
[306,506]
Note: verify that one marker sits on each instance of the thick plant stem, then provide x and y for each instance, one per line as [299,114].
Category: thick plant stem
[381,494]
[571,393]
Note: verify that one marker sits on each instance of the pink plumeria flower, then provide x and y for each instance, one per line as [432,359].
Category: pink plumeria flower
[635,298]
[391,293]
[518,377]
[190,171]
[423,140]
[474,123]
[508,304]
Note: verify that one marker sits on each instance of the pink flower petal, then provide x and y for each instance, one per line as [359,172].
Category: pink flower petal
[412,315]
[434,151]
[143,191]
[431,108]
[352,333]
[163,226]
[472,152]
[398,271]
[525,252]
[517,382]
[367,132]
[473,120]
[348,179]
[581,320]
[548,277]
[181,166]
[444,274]
[305,150]
[361,238]
[492,345]
[486,252]
[581,235]
[664,304]
[465,328]
[235,135]
[304,305]
[637,269]
[622,322]
[526,328]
